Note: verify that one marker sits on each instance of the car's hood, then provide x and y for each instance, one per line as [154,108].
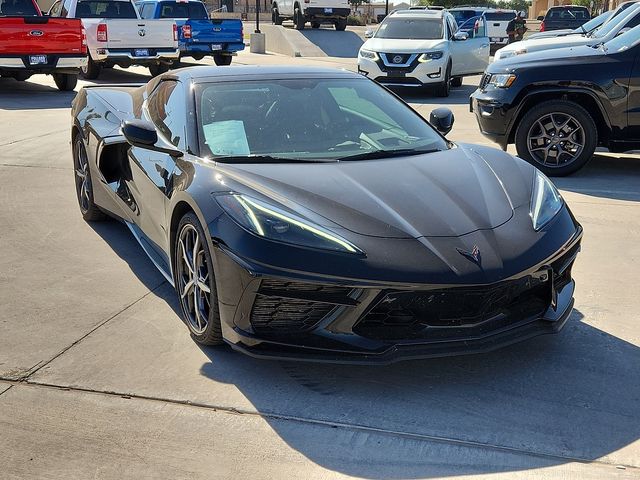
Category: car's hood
[448,193]
[554,55]
[388,45]
[548,43]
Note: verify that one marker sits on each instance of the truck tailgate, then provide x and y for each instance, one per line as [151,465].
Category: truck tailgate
[45,35]
[214,31]
[138,33]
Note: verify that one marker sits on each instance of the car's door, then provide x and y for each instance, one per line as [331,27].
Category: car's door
[152,172]
[470,56]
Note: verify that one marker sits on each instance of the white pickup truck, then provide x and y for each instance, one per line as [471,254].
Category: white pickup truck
[116,35]
[317,12]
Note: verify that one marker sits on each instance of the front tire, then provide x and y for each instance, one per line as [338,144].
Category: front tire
[341,24]
[298,19]
[222,60]
[456,82]
[65,81]
[195,282]
[84,187]
[557,136]
[444,88]
[158,69]
[91,70]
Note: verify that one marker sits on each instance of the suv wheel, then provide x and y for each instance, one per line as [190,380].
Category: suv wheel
[276,19]
[456,82]
[298,19]
[444,88]
[341,24]
[91,70]
[558,136]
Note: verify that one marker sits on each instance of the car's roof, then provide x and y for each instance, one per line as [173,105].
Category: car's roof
[253,72]
[419,13]
[498,10]
[560,7]
[476,9]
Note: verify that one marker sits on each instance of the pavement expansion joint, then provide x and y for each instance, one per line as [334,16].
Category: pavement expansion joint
[331,424]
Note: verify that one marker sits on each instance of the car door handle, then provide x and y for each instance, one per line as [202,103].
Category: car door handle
[484,45]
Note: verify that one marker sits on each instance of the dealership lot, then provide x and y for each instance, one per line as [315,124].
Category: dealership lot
[98,376]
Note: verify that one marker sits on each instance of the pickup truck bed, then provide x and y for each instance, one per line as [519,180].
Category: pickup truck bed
[33,44]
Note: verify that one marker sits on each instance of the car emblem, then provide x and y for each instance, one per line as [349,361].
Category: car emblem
[473,255]
[141,32]
[36,33]
[217,29]
[397,59]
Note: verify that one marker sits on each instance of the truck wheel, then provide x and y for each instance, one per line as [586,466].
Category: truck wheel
[444,88]
[557,136]
[91,71]
[315,25]
[158,69]
[298,19]
[222,60]
[456,82]
[341,24]
[276,19]
[65,81]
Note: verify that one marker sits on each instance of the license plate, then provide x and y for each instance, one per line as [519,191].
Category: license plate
[141,52]
[496,39]
[216,46]
[37,59]
[328,10]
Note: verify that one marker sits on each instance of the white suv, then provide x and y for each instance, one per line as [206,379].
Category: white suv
[413,48]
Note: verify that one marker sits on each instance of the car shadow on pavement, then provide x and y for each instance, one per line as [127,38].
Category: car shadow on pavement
[344,44]
[553,399]
[615,176]
[29,95]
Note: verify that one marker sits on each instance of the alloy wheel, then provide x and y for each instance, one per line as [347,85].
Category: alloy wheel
[193,278]
[556,139]
[83,178]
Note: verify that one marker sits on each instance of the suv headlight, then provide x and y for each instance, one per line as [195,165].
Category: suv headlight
[274,223]
[546,201]
[503,80]
[368,54]
[428,56]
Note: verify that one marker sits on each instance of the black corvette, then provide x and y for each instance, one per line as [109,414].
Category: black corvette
[310,213]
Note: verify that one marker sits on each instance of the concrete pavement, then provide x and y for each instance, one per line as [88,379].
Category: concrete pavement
[99,378]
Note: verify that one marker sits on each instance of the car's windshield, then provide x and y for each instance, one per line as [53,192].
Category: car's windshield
[594,22]
[411,28]
[623,42]
[105,9]
[307,119]
[195,10]
[500,16]
[462,16]
[22,8]
[567,13]
[616,24]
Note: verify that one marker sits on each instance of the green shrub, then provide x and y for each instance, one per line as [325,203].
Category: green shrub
[354,20]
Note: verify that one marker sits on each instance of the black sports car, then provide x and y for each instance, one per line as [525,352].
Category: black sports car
[310,213]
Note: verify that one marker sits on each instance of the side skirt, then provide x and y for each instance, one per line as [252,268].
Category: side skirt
[149,250]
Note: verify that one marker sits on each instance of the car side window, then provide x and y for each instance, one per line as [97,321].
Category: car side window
[54,11]
[64,12]
[167,109]
[147,10]
[480,28]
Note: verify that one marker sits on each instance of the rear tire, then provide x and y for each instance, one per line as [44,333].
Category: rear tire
[158,69]
[193,276]
[65,81]
[341,24]
[84,186]
[456,82]
[444,88]
[222,60]
[92,70]
[298,19]
[557,136]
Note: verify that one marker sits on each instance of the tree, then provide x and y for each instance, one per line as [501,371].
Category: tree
[356,3]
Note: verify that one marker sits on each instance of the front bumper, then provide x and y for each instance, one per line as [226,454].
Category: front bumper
[320,320]
[54,64]
[409,72]
[127,56]
[494,111]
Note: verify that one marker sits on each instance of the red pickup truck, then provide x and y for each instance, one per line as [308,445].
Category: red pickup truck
[31,43]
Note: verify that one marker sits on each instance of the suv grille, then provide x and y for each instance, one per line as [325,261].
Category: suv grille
[485,81]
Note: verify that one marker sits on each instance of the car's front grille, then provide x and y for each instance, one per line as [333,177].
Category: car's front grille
[454,313]
[288,307]
[484,81]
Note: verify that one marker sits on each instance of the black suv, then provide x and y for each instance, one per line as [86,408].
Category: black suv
[557,106]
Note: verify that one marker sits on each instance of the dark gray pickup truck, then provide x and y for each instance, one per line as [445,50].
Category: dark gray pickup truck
[564,17]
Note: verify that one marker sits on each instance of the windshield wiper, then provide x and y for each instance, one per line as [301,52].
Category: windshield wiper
[375,154]
[262,159]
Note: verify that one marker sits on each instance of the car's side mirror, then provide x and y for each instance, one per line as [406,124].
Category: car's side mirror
[461,36]
[368,34]
[540,18]
[442,120]
[143,134]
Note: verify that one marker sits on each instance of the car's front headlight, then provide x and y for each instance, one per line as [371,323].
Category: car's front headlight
[277,224]
[546,201]
[428,56]
[502,80]
[368,54]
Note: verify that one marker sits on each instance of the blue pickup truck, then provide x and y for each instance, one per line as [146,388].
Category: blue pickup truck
[198,35]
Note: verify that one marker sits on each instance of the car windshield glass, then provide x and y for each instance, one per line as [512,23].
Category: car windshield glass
[22,8]
[462,16]
[567,13]
[411,28]
[195,10]
[624,42]
[594,22]
[308,120]
[500,16]
[105,9]
[615,25]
